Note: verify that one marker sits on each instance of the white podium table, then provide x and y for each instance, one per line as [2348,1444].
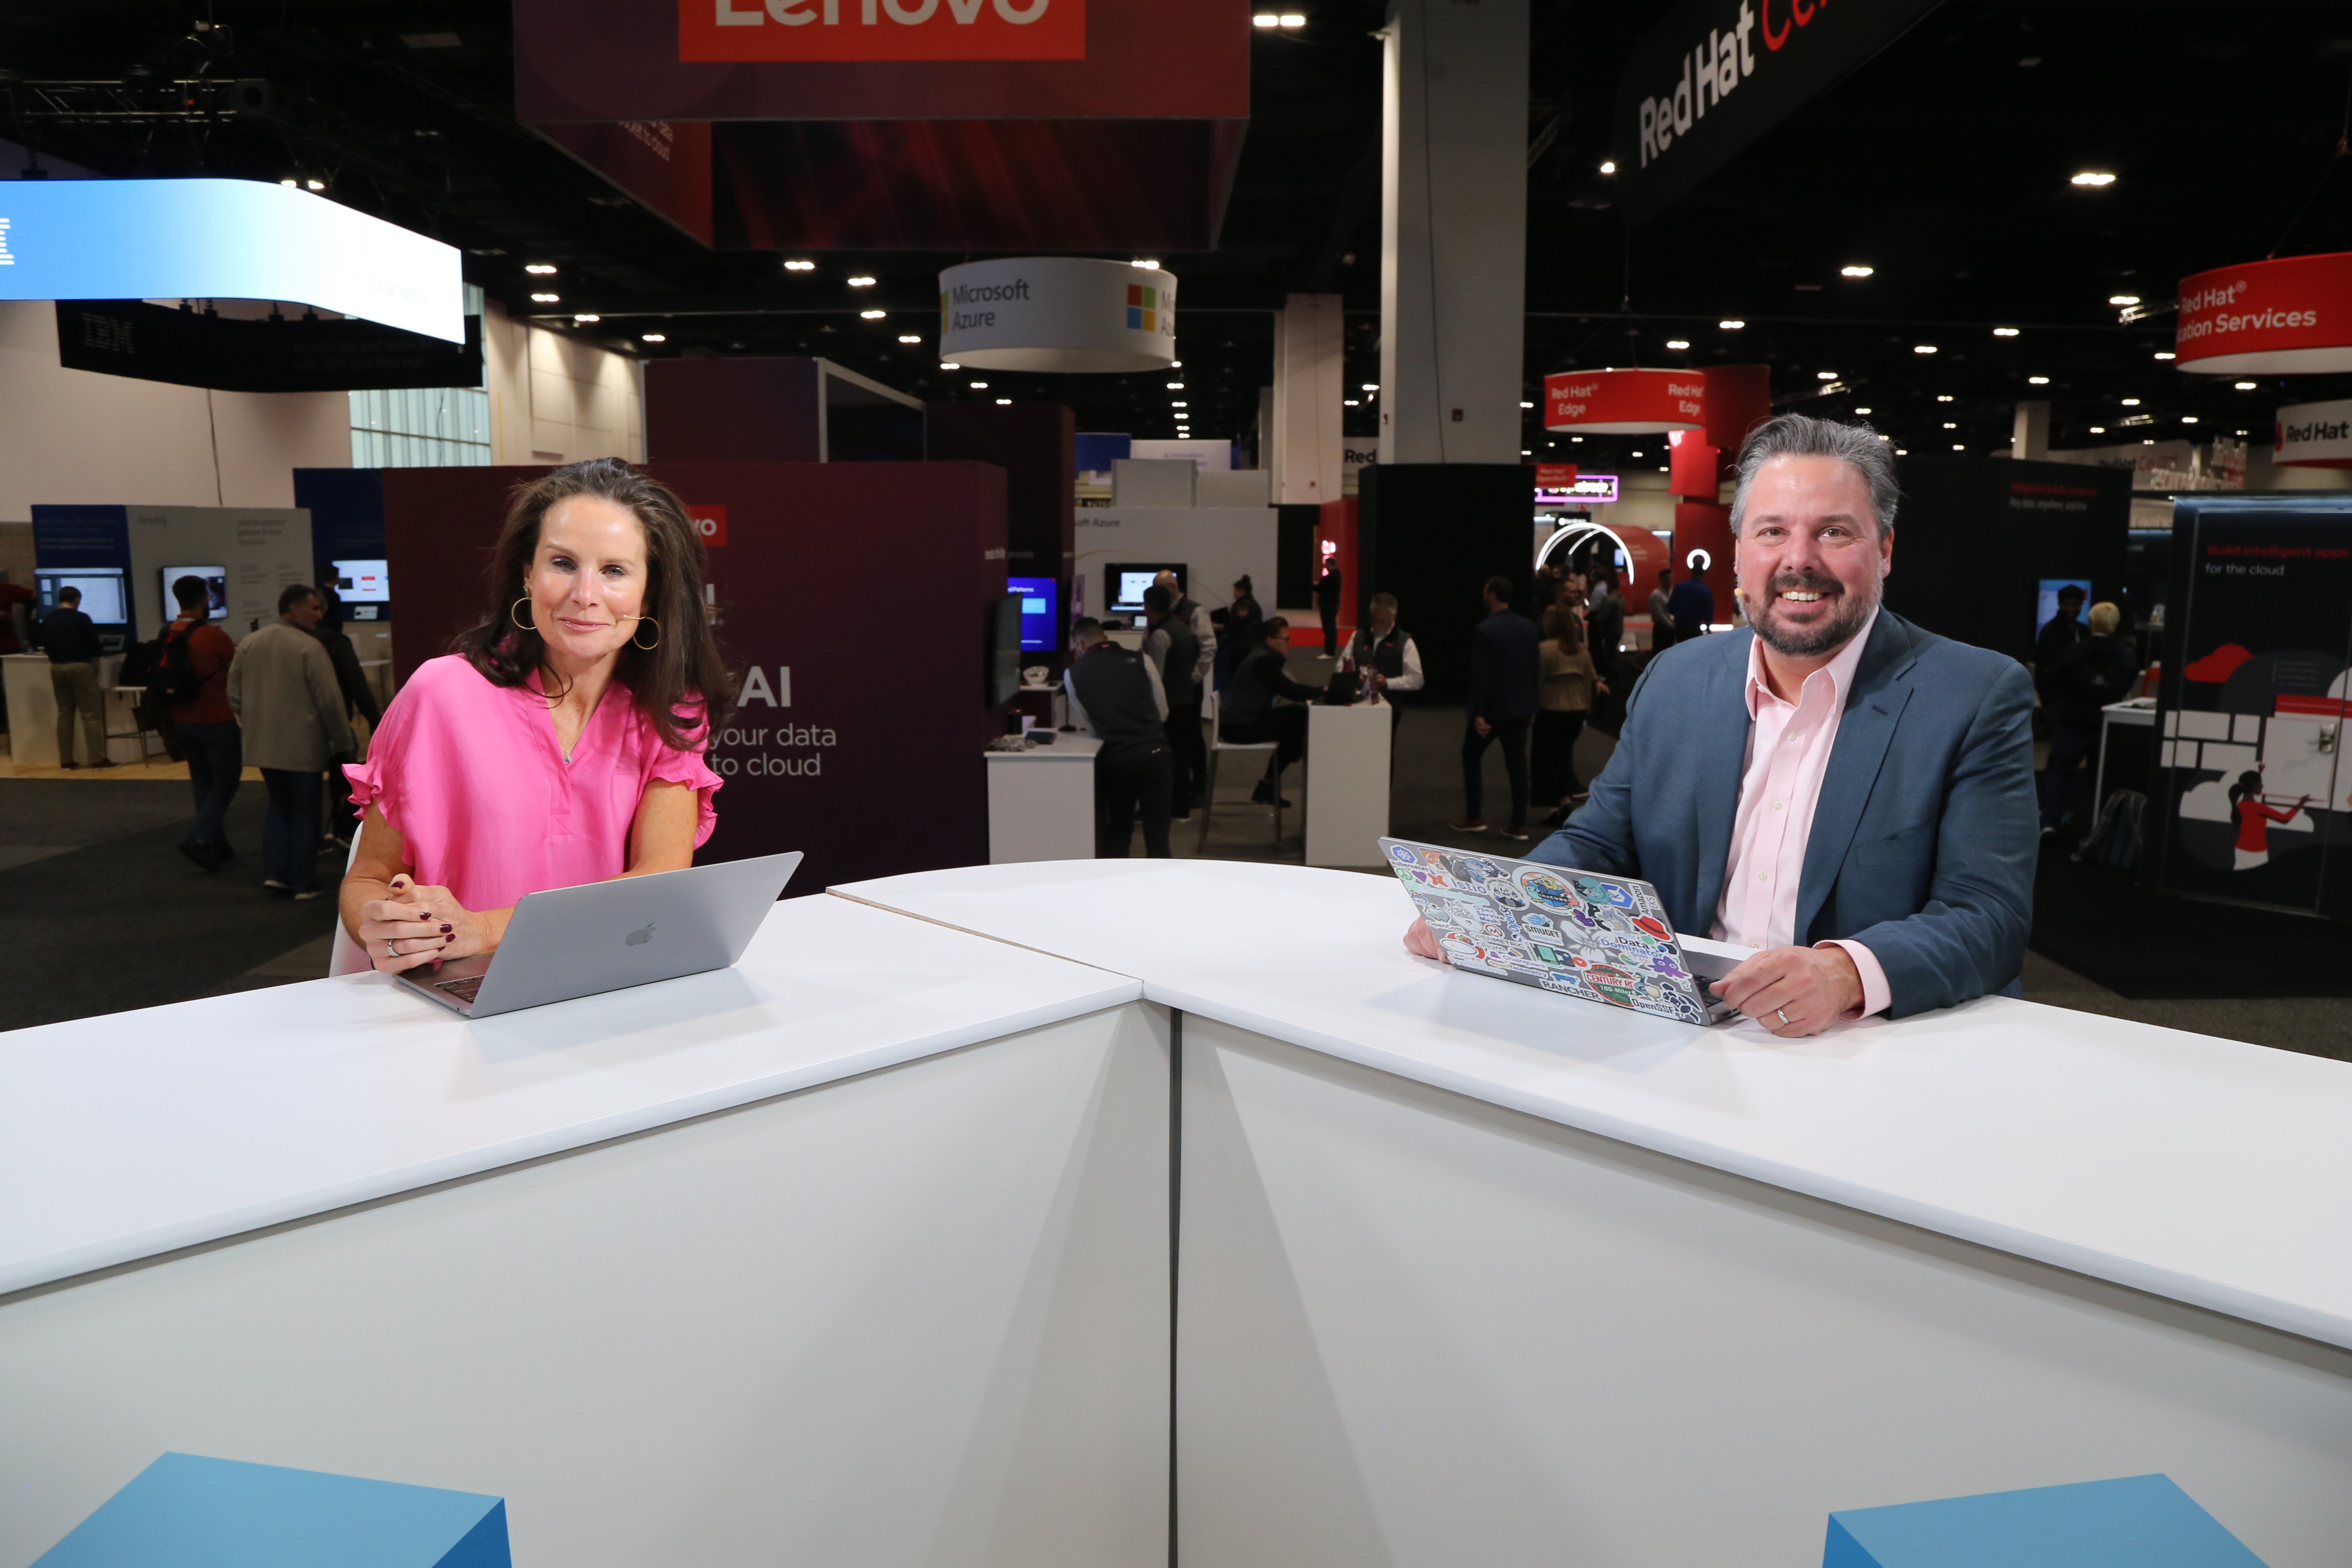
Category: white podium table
[1040,802]
[857,1253]
[1472,1274]
[1347,782]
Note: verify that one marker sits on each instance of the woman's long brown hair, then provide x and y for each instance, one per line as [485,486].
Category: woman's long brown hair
[680,684]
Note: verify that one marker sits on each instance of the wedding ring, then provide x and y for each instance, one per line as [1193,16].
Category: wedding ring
[1783,1012]
[389,950]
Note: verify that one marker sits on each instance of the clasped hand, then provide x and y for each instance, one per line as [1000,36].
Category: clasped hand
[419,924]
[1793,991]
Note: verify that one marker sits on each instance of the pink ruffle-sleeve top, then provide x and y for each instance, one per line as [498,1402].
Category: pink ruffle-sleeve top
[471,776]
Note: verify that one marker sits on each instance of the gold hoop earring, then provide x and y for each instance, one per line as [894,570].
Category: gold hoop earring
[646,647]
[523,626]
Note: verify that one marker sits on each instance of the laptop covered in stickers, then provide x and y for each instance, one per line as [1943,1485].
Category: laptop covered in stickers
[1574,933]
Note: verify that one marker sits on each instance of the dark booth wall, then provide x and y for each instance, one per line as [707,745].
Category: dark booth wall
[1975,537]
[853,741]
[1036,446]
[1432,534]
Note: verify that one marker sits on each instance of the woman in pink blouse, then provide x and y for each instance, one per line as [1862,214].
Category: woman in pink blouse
[561,743]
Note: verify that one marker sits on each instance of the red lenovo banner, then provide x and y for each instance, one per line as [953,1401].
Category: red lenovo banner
[2288,317]
[1625,402]
[881,30]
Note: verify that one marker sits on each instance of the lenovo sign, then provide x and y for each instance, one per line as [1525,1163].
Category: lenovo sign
[728,30]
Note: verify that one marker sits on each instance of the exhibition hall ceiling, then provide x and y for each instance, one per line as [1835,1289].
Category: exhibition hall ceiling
[1945,166]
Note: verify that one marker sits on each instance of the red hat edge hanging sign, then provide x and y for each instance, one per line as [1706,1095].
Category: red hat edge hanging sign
[1625,402]
[2292,316]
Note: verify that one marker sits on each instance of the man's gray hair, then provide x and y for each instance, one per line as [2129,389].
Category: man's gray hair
[1801,435]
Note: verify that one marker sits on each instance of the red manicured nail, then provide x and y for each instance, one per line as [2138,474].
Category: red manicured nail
[446,928]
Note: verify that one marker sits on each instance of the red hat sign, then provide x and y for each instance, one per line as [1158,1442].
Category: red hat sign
[1625,402]
[2288,317]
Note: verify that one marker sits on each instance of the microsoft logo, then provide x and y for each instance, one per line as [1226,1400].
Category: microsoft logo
[1143,309]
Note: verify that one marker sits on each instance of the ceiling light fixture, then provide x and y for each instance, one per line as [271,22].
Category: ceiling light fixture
[1943,397]
[2093,178]
[585,320]
[2131,402]
[1861,411]
[2004,332]
[1730,326]
[1677,343]
[1175,386]
[1265,20]
[1293,19]
[1950,425]
[2099,429]
[1145,262]
[910,338]
[1175,364]
[1372,386]
[872,315]
[2189,419]
[655,337]
[1957,446]
[1351,403]
[2243,385]
[1576,437]
[798,266]
[980,386]
[2123,299]
[314,185]
[289,185]
[547,299]
[2037,381]
[945,365]
[2164,353]
[1001,401]
[1825,375]
[1857,270]
[541,268]
[1524,403]
[1922,348]
[1609,166]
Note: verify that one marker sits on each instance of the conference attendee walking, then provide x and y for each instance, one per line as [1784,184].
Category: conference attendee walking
[72,645]
[1327,603]
[1691,607]
[1185,733]
[1385,655]
[1244,624]
[1253,711]
[358,701]
[1569,681]
[2061,632]
[2088,675]
[1504,681]
[1662,620]
[583,696]
[1604,622]
[197,651]
[1846,792]
[1173,653]
[1115,695]
[282,689]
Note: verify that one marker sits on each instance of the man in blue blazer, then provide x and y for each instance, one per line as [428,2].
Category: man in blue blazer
[1835,787]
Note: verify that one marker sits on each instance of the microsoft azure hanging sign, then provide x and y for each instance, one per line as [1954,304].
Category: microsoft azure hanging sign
[1716,75]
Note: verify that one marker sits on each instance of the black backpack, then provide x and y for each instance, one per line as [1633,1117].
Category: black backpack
[168,670]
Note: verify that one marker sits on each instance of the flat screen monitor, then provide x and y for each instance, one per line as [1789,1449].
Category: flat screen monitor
[102,598]
[216,579]
[2045,606]
[1004,651]
[362,582]
[1125,581]
[1040,629]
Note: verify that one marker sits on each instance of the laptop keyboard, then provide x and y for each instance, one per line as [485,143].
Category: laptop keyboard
[463,990]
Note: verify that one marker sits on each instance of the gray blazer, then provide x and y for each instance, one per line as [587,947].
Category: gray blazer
[282,688]
[1925,836]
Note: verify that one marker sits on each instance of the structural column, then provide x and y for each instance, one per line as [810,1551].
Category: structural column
[2029,437]
[1309,378]
[1452,230]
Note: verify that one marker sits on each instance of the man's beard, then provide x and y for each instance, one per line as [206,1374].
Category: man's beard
[1847,614]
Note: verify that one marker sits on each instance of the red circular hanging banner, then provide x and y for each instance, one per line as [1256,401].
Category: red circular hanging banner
[1625,402]
[2288,317]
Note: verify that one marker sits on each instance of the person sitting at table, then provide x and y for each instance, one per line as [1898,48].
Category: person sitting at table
[1833,786]
[560,742]
[1249,715]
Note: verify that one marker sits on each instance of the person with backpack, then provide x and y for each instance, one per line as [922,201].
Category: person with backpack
[191,675]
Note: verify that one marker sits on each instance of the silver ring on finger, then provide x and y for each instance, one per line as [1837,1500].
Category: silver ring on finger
[390,951]
[1783,1014]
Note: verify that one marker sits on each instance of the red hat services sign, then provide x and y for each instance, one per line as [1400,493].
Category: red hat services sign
[2313,436]
[1625,402]
[2288,317]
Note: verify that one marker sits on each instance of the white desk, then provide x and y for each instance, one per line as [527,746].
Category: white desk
[1473,1274]
[33,712]
[1041,802]
[855,1254]
[1347,782]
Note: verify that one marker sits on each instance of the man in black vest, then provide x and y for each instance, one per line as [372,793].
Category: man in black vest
[1385,651]
[1115,694]
[1187,737]
[1173,653]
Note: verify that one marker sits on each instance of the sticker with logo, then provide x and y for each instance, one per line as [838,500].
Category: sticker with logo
[1547,890]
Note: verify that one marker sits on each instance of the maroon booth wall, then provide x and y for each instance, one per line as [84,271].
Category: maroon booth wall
[861,594]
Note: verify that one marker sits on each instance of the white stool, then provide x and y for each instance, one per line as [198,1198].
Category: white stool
[1217,742]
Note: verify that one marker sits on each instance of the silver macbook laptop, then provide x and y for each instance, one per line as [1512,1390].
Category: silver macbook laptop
[1574,933]
[606,936]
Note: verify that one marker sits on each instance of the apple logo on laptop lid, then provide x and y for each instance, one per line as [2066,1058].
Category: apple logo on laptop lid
[639,938]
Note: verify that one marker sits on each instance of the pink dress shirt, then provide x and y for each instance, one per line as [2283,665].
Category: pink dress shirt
[1787,754]
[471,776]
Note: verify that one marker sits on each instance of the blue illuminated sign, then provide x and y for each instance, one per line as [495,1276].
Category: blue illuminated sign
[223,240]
